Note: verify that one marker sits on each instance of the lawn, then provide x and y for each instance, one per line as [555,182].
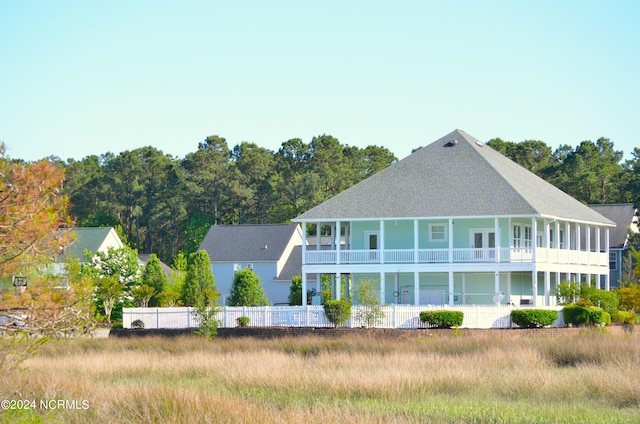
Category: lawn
[587,376]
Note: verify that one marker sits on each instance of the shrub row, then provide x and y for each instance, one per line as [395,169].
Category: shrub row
[442,319]
[533,318]
[578,316]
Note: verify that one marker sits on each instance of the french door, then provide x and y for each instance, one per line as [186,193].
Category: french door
[483,243]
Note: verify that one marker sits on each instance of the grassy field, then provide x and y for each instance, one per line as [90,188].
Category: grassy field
[586,377]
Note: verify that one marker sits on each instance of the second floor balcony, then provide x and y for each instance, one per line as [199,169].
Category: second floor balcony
[456,255]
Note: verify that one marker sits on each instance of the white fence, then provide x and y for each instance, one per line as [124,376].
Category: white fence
[395,316]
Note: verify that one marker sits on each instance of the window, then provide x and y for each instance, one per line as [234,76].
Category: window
[249,266]
[517,236]
[437,232]
[518,241]
[237,267]
[613,260]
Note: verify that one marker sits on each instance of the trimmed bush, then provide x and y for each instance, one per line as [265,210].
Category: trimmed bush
[243,321]
[442,319]
[338,312]
[625,317]
[599,316]
[137,324]
[533,318]
[576,315]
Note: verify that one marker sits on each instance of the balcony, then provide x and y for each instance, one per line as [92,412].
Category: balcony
[458,255]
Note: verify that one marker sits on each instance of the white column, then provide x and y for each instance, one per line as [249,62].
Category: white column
[496,231]
[304,243]
[534,287]
[588,240]
[534,238]
[382,241]
[450,240]
[556,242]
[338,286]
[416,244]
[568,226]
[337,240]
[547,288]
[416,288]
[382,287]
[451,289]
[607,276]
[304,288]
[496,283]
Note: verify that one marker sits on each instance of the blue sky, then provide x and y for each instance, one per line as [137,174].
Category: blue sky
[81,77]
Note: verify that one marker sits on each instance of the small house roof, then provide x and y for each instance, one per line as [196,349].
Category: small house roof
[247,243]
[92,239]
[455,176]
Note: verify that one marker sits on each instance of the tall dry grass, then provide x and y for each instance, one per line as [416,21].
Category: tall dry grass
[587,377]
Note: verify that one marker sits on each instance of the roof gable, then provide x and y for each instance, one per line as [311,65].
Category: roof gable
[455,176]
[93,239]
[248,243]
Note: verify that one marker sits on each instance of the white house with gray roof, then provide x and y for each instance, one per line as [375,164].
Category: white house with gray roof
[456,223]
[272,251]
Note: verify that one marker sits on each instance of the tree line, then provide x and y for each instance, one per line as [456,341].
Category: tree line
[163,204]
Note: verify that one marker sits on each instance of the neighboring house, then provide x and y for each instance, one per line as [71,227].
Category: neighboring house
[272,251]
[626,220]
[456,223]
[92,239]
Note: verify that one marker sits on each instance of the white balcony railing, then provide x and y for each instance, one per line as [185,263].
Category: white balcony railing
[460,255]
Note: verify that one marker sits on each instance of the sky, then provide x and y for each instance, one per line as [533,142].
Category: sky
[80,78]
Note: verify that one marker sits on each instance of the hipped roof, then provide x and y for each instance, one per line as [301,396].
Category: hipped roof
[455,176]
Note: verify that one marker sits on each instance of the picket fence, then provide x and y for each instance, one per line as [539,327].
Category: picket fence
[395,316]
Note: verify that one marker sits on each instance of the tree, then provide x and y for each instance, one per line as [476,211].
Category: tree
[32,212]
[338,312]
[629,297]
[123,271]
[367,296]
[108,290]
[198,279]
[247,290]
[154,277]
[143,294]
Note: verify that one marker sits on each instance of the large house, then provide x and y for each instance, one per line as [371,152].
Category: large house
[455,223]
[625,217]
[87,239]
[272,251]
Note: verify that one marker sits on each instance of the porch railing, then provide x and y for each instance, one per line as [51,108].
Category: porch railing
[458,255]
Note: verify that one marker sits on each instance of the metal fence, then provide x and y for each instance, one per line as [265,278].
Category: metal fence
[394,316]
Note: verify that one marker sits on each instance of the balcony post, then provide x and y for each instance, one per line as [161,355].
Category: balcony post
[607,276]
[450,240]
[415,241]
[416,288]
[496,232]
[451,289]
[337,241]
[382,241]
[304,243]
[534,238]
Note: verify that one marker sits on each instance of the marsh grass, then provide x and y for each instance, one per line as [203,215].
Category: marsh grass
[583,378]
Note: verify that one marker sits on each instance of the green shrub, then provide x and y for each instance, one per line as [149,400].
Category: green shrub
[576,315]
[442,319]
[137,324]
[625,317]
[116,324]
[533,318]
[243,321]
[599,316]
[338,312]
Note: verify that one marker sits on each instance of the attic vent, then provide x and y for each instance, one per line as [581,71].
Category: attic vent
[452,143]
[479,143]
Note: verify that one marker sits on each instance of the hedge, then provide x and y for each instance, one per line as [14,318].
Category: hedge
[442,319]
[533,318]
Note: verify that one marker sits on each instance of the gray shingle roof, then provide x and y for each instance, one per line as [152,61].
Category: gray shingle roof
[455,176]
[246,243]
[620,213]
